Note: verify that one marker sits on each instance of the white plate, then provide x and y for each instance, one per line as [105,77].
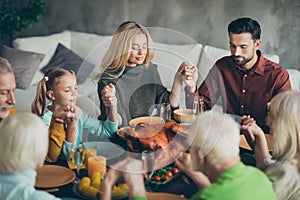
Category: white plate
[50,176]
[110,150]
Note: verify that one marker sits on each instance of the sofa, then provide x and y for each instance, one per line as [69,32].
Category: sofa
[30,55]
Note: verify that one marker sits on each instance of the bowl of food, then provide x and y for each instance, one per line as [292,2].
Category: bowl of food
[184,115]
[144,121]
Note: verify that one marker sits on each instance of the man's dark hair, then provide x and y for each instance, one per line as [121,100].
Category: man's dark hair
[245,25]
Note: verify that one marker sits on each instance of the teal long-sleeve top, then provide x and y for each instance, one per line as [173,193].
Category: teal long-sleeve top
[57,134]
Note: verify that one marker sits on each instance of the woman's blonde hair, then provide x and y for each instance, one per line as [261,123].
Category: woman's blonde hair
[285,127]
[48,82]
[23,144]
[117,55]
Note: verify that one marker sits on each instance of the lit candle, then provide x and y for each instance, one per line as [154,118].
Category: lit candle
[97,164]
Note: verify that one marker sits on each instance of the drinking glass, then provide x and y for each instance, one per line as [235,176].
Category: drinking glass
[148,163]
[77,159]
[165,111]
[196,105]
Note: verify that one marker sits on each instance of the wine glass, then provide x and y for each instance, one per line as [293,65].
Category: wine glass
[77,159]
[148,165]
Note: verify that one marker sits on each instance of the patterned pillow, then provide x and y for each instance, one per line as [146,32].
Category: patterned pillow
[24,64]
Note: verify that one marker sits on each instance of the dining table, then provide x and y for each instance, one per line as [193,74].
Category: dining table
[180,185]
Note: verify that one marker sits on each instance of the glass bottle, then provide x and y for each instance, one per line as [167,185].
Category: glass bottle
[201,106]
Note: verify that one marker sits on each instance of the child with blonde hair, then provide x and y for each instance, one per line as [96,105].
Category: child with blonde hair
[23,147]
[65,120]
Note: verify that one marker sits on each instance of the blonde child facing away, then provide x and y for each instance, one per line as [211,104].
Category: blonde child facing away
[65,120]
[23,147]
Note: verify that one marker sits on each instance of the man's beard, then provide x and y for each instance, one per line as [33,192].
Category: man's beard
[242,62]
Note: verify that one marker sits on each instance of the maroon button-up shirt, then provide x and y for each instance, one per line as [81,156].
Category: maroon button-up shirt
[243,92]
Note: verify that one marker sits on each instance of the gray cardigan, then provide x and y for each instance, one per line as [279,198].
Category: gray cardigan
[137,89]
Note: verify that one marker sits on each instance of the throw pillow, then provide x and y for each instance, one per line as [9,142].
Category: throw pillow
[66,58]
[24,64]
[45,44]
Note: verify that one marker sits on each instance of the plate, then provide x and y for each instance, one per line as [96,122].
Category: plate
[77,193]
[244,144]
[121,131]
[53,176]
[162,172]
[110,150]
[147,120]
[164,196]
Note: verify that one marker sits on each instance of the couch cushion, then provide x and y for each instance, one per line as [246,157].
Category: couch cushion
[83,43]
[294,78]
[168,57]
[24,64]
[65,58]
[43,44]
[211,54]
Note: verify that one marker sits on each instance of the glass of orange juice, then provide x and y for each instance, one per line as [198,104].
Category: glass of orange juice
[97,164]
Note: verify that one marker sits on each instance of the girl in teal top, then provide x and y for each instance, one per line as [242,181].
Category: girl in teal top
[65,120]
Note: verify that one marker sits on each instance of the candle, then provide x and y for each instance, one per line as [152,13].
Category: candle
[97,164]
[90,152]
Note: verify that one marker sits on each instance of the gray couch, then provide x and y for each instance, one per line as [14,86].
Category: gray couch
[92,47]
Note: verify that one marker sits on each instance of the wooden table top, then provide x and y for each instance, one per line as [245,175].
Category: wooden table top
[244,144]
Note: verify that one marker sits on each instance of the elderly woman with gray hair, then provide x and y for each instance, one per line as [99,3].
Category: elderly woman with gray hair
[23,147]
[283,167]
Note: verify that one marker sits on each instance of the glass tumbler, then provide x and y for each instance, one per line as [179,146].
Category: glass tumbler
[165,112]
